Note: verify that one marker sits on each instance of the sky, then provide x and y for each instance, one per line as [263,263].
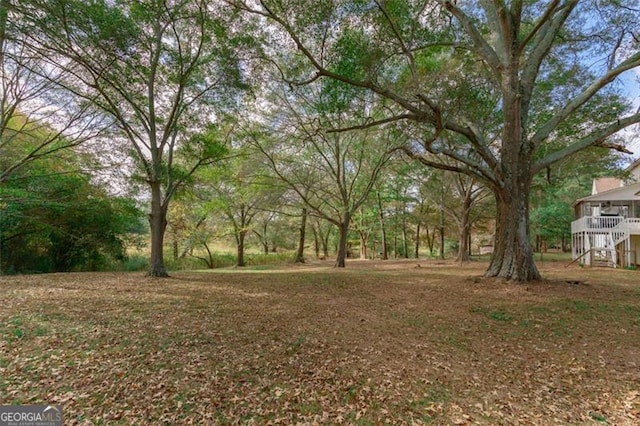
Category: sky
[631,87]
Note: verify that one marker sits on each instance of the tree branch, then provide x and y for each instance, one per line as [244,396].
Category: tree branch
[368,124]
[482,47]
[596,138]
[545,130]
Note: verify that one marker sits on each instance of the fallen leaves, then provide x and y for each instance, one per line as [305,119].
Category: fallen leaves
[389,345]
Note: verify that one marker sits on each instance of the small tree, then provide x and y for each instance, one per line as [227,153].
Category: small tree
[157,69]
[240,191]
[332,173]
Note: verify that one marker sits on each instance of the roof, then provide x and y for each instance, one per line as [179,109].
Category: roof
[634,169]
[605,184]
[633,165]
[629,192]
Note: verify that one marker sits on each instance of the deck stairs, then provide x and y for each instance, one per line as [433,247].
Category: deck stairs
[601,237]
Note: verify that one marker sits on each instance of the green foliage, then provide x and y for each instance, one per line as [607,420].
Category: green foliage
[556,189]
[135,263]
[597,416]
[193,263]
[226,260]
[94,22]
[263,259]
[53,220]
[159,70]
[553,219]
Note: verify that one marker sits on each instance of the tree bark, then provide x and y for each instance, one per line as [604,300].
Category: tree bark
[241,234]
[158,225]
[431,237]
[416,251]
[316,241]
[465,229]
[513,256]
[405,240]
[342,243]
[325,243]
[363,245]
[4,13]
[442,207]
[303,227]
[383,231]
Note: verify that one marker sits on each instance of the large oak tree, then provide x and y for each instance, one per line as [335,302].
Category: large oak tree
[509,78]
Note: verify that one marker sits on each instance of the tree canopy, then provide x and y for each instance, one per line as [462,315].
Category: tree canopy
[161,71]
[320,96]
[514,83]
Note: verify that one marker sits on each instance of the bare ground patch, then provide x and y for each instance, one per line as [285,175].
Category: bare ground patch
[377,343]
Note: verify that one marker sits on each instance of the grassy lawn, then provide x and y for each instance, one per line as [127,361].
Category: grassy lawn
[377,343]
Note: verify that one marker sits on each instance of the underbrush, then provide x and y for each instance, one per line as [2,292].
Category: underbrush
[140,263]
[225,260]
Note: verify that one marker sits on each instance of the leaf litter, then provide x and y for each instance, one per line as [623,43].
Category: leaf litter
[378,343]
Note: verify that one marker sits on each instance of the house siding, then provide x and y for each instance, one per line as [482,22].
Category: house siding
[635,249]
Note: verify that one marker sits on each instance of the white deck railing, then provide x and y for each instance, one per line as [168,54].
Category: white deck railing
[606,224]
[594,236]
[634,225]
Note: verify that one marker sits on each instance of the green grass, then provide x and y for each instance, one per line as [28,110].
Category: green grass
[495,314]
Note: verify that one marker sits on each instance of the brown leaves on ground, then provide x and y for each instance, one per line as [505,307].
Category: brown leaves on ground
[378,343]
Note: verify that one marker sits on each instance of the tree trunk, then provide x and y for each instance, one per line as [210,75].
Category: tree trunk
[316,241]
[363,245]
[395,242]
[240,246]
[209,259]
[442,226]
[405,241]
[416,251]
[158,225]
[4,16]
[175,248]
[342,243]
[431,237]
[385,251]
[303,227]
[513,256]
[465,230]
[264,239]
[325,243]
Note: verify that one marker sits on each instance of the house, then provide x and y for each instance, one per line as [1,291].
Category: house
[607,228]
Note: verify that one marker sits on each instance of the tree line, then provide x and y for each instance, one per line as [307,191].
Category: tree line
[213,102]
